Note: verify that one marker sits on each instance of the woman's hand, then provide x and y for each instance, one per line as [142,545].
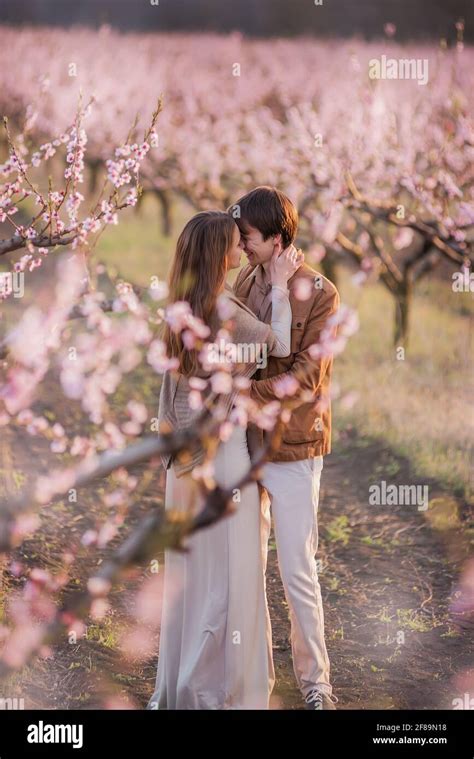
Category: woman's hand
[284,264]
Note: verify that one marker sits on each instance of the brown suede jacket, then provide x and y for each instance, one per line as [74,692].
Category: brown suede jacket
[308,432]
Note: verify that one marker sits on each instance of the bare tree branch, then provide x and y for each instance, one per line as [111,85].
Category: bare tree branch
[101,466]
[385,211]
[155,532]
[45,241]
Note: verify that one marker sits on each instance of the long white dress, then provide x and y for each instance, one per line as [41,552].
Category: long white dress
[215,647]
[215,644]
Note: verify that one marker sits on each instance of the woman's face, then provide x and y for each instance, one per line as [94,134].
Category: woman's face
[235,251]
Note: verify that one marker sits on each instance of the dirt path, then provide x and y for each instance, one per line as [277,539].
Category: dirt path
[387,575]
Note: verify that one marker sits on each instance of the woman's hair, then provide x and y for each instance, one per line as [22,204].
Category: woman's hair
[197,275]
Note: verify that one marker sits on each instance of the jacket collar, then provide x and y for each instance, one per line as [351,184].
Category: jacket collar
[260,280]
[258,275]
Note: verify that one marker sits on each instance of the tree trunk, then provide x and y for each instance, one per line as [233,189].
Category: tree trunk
[402,314]
[94,172]
[328,265]
[166,215]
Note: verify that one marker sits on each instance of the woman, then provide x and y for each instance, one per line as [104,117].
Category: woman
[215,643]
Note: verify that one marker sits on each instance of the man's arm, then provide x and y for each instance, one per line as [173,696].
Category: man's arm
[309,371]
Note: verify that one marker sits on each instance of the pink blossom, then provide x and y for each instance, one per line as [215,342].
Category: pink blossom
[241,383]
[177,315]
[195,401]
[89,538]
[40,576]
[25,416]
[303,288]
[106,533]
[200,329]
[189,339]
[99,608]
[16,568]
[267,415]
[316,253]
[158,359]
[221,382]
[206,473]
[138,411]
[58,446]
[115,437]
[346,319]
[359,278]
[333,223]
[57,481]
[197,383]
[225,307]
[159,290]
[286,386]
[24,525]
[21,644]
[225,431]
[403,238]
[137,644]
[98,586]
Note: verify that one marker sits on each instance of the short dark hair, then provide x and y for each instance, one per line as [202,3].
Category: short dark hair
[268,210]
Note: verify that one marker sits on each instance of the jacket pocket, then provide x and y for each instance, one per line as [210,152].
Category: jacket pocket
[297,331]
[300,438]
[304,426]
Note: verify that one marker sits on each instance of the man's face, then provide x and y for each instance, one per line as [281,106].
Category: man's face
[257,250]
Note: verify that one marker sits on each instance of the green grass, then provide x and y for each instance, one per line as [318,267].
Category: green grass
[411,619]
[339,530]
[104,632]
[421,406]
[136,248]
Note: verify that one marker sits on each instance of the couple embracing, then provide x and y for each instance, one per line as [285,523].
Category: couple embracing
[215,647]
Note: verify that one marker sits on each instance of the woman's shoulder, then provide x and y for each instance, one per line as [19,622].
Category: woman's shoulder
[246,325]
[236,309]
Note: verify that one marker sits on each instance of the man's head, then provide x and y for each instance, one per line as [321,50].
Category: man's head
[267,220]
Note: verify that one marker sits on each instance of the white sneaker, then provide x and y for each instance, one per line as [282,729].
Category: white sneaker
[317,700]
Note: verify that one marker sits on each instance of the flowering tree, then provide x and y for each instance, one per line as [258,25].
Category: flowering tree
[91,344]
[381,174]
[394,198]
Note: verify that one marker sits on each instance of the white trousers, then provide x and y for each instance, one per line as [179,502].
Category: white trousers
[292,492]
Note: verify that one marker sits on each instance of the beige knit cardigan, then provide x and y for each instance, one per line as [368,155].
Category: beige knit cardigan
[174,412]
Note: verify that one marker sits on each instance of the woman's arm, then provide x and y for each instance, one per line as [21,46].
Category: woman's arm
[281,322]
[282,267]
[276,335]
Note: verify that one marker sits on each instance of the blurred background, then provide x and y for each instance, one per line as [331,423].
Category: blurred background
[415,19]
[278,92]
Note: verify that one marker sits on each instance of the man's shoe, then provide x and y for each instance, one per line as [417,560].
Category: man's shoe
[317,700]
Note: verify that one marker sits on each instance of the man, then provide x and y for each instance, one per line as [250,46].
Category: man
[268,222]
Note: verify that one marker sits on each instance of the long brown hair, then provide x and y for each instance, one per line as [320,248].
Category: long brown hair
[197,275]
